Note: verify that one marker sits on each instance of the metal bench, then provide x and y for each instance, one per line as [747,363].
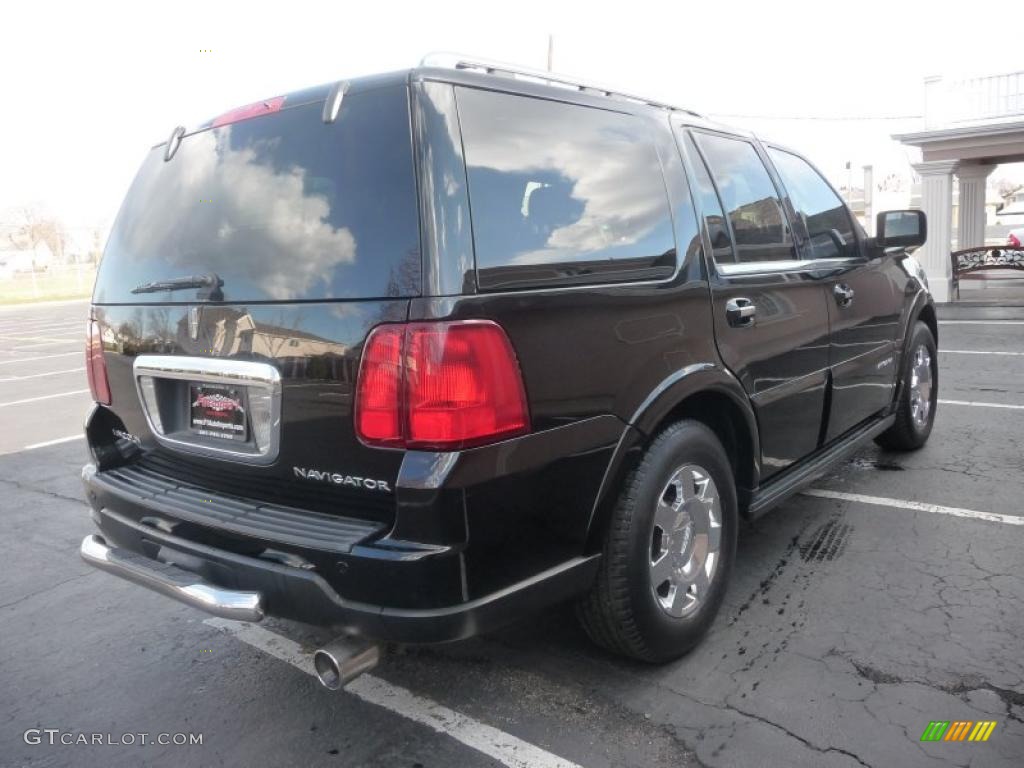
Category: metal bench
[974,263]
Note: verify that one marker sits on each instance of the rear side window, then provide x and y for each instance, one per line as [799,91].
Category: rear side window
[714,218]
[751,202]
[281,207]
[828,224]
[562,194]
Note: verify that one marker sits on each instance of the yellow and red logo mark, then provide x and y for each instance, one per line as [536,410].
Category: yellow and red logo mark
[958,730]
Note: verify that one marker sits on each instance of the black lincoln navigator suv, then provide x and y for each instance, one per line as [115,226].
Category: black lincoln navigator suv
[414,354]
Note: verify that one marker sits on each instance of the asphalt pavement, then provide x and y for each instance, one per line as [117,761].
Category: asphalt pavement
[890,598]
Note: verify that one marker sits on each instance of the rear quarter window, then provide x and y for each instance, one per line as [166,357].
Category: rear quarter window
[562,194]
[282,208]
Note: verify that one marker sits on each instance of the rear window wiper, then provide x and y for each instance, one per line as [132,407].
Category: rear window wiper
[211,281]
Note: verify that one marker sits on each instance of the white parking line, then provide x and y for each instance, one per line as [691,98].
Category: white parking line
[44,397]
[917,506]
[51,330]
[38,357]
[47,344]
[979,352]
[982,405]
[981,322]
[40,375]
[58,441]
[11,330]
[31,336]
[44,323]
[501,746]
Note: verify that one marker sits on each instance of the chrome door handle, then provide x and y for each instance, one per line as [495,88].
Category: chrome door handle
[740,312]
[843,294]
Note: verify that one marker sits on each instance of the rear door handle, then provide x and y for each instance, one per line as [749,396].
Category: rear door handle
[843,294]
[740,312]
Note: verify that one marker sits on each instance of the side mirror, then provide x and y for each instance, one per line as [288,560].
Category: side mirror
[901,229]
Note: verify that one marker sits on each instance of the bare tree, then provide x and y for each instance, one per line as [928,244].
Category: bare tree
[1007,188]
[31,227]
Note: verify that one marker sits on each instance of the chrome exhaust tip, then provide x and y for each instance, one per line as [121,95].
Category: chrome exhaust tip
[343,659]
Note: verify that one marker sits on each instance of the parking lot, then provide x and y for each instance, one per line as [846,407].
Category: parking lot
[889,595]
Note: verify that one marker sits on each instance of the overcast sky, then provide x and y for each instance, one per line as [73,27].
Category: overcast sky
[88,87]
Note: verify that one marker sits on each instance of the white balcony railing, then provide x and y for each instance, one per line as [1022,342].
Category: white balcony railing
[952,103]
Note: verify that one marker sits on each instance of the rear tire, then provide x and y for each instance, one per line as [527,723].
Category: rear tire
[918,395]
[668,550]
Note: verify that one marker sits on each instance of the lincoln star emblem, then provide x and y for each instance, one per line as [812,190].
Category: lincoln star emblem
[193,323]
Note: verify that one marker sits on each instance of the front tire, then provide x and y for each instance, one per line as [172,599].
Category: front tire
[668,550]
[918,396]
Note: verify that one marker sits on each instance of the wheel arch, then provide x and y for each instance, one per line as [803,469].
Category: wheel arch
[721,414]
[922,309]
[927,315]
[708,394]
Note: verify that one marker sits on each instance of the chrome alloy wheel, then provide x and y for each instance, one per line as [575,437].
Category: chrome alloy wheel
[685,541]
[921,386]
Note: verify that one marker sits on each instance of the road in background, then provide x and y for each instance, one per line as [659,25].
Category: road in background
[848,627]
[43,388]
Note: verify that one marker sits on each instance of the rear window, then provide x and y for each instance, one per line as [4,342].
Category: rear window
[562,194]
[281,208]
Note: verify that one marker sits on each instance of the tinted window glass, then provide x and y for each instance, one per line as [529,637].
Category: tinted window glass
[562,193]
[759,226]
[826,219]
[718,230]
[280,207]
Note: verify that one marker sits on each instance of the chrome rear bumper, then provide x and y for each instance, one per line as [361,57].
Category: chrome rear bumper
[172,581]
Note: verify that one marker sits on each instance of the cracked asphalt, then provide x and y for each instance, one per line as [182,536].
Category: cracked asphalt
[847,628]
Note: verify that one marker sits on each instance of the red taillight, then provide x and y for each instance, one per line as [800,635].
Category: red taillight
[441,386]
[1014,240]
[379,391]
[96,365]
[462,385]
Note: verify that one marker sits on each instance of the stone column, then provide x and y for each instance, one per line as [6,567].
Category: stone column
[937,204]
[971,216]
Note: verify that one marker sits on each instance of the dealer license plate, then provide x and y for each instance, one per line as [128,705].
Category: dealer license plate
[218,411]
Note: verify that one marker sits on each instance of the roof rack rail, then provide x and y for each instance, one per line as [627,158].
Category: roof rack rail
[457,61]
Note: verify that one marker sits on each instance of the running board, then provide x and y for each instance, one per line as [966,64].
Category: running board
[792,480]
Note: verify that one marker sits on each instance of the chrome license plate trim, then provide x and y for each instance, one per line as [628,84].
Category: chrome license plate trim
[261,380]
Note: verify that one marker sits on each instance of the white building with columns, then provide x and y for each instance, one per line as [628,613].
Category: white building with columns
[971,126]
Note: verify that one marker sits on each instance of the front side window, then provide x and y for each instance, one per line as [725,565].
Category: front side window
[751,202]
[562,193]
[828,224]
